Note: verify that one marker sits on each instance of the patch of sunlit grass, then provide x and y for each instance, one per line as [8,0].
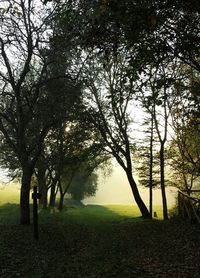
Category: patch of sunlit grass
[94,214]
[72,212]
[9,196]
[125,210]
[87,215]
[133,211]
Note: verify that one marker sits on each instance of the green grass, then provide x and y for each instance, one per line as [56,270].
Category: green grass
[86,215]
[90,215]
[9,196]
[75,213]
[97,241]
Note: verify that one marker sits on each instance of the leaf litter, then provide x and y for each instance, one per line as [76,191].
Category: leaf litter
[127,249]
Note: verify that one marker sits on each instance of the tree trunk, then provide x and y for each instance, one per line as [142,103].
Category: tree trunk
[60,206]
[128,170]
[52,199]
[151,200]
[162,182]
[143,209]
[62,194]
[42,187]
[44,197]
[151,171]
[24,197]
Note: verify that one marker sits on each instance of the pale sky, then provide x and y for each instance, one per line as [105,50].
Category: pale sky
[115,189]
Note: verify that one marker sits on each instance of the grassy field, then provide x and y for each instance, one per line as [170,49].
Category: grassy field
[8,195]
[86,215]
[97,241]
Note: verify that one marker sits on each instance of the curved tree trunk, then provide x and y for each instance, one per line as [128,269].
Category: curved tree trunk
[128,170]
[25,196]
[142,207]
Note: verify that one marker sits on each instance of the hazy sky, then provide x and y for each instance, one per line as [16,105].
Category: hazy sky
[116,190]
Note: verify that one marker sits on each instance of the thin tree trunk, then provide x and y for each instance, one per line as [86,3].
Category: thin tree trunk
[24,197]
[151,171]
[162,182]
[150,201]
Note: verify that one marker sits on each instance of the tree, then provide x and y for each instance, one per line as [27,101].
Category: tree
[180,28]
[27,107]
[184,149]
[157,97]
[147,163]
[43,178]
[184,157]
[83,186]
[149,36]
[72,144]
[109,84]
[81,163]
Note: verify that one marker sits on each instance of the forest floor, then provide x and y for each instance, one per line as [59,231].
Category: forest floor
[97,241]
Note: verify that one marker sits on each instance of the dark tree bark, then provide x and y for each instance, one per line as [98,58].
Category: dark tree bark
[162,181]
[42,186]
[60,205]
[62,194]
[53,192]
[44,199]
[128,170]
[25,196]
[151,169]
[143,209]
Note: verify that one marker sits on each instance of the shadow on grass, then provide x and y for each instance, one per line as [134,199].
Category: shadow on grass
[84,214]
[88,241]
[87,215]
[9,214]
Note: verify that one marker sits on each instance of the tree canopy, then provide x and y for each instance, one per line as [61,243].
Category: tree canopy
[72,74]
